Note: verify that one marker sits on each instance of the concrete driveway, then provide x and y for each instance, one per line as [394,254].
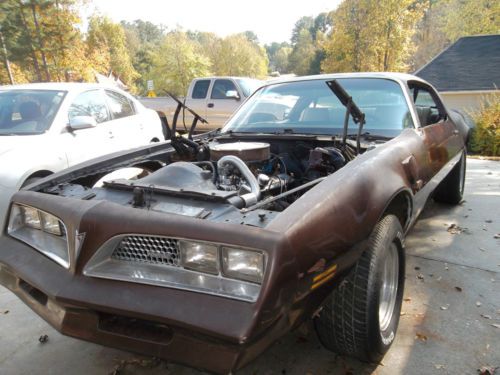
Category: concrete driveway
[450,321]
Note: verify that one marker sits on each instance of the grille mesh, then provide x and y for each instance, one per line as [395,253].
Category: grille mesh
[148,249]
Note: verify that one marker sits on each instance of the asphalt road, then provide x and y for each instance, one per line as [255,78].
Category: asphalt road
[450,321]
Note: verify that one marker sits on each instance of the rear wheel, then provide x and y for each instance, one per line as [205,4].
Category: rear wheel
[451,189]
[361,315]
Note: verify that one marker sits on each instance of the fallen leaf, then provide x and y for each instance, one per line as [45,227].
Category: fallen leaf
[5,312]
[458,289]
[439,367]
[482,249]
[486,316]
[402,313]
[408,299]
[43,339]
[496,325]
[455,229]
[421,337]
[478,303]
[488,221]
[420,276]
[417,268]
[486,370]
[444,307]
[496,236]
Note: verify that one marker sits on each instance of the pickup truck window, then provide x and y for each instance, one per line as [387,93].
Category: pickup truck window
[248,86]
[200,89]
[221,87]
[119,105]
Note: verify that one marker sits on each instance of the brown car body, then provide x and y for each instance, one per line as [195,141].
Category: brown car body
[326,227]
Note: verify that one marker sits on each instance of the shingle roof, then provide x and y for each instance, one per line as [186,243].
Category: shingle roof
[471,63]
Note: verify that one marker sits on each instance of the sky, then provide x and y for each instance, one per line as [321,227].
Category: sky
[271,20]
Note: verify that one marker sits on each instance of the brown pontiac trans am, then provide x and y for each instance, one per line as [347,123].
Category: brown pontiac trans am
[217,244]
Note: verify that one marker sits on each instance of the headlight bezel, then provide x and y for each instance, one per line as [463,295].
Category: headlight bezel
[104,265]
[53,245]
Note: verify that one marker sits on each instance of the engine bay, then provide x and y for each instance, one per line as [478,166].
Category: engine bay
[244,181]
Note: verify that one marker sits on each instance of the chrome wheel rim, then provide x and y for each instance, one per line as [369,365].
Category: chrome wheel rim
[388,287]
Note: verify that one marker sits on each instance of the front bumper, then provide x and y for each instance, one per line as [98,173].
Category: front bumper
[175,325]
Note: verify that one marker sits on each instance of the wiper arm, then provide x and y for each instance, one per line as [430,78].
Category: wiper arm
[351,109]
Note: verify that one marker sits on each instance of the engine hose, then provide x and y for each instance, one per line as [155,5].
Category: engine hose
[254,196]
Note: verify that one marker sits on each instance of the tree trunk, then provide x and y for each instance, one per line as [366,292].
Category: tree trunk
[40,41]
[32,50]
[6,59]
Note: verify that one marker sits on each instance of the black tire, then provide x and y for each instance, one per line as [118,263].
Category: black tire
[451,189]
[349,322]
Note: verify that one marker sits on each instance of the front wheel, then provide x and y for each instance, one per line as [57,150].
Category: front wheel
[361,316]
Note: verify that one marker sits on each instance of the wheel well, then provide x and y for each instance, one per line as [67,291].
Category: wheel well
[39,174]
[400,206]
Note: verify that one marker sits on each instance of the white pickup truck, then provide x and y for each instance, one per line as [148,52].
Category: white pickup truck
[213,98]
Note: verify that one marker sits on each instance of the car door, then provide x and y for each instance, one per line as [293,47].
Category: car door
[222,102]
[126,125]
[440,140]
[197,101]
[85,144]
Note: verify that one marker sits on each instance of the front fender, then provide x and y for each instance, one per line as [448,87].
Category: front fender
[342,211]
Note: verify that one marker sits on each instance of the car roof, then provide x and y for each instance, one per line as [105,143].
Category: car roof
[403,77]
[61,86]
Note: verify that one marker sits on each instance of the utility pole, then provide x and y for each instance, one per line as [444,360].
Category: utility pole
[6,59]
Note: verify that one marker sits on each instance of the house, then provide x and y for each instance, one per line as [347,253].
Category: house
[467,72]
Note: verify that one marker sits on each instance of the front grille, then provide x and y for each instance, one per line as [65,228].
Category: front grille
[148,249]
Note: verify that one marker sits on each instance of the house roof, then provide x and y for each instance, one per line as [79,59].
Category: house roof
[471,63]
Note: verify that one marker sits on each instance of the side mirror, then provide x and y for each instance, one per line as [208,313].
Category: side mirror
[232,94]
[82,122]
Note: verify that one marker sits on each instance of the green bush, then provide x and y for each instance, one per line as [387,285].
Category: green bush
[486,137]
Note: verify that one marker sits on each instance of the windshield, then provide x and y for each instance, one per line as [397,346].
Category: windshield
[248,86]
[310,107]
[24,112]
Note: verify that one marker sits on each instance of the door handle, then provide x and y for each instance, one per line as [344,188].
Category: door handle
[210,105]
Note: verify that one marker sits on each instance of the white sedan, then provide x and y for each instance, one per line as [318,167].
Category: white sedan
[47,127]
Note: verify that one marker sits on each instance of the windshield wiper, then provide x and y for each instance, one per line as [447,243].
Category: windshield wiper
[351,109]
[368,136]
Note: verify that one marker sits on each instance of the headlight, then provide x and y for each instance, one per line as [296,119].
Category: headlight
[199,256]
[243,264]
[41,230]
[234,263]
[30,217]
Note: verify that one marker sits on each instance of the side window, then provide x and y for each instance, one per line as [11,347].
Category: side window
[119,105]
[221,87]
[428,110]
[200,89]
[90,103]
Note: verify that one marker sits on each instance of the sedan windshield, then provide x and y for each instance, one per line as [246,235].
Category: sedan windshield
[24,112]
[310,107]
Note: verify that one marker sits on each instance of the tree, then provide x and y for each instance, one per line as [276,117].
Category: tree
[278,54]
[237,56]
[371,35]
[42,39]
[303,54]
[106,44]
[178,60]
[143,41]
[304,23]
